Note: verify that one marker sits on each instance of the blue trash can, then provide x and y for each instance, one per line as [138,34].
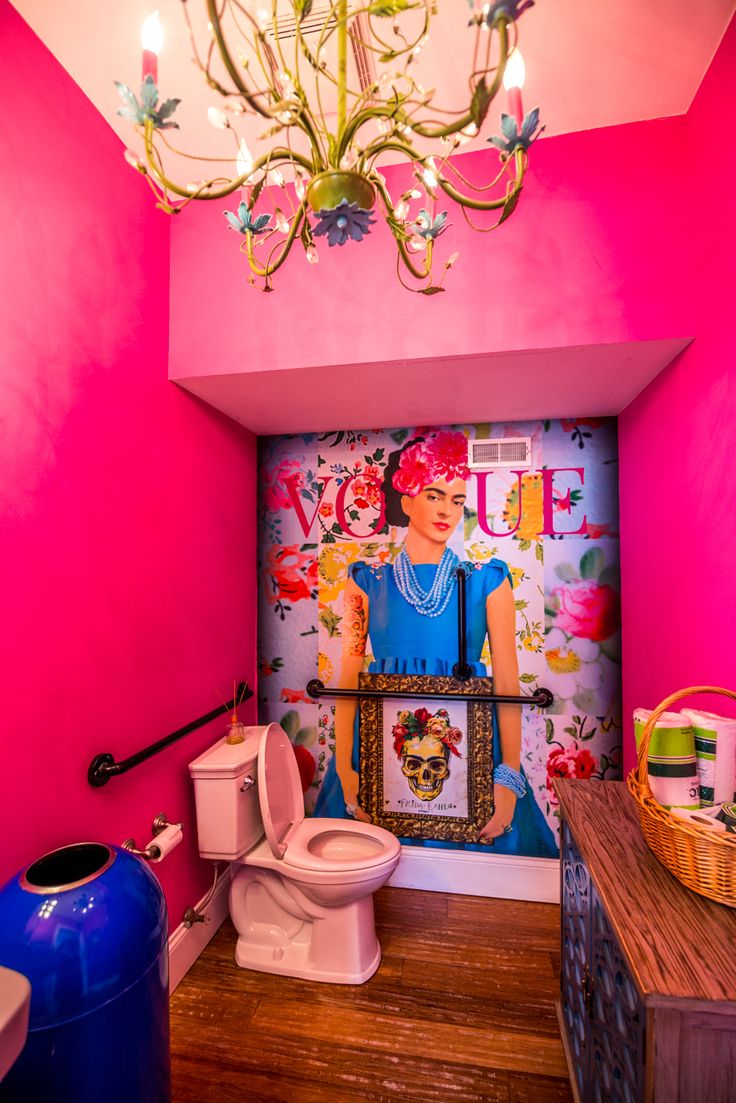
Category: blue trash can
[87,925]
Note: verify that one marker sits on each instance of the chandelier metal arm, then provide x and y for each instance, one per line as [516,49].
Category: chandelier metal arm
[273,158]
[401,117]
[342,69]
[214,19]
[411,154]
[520,160]
[305,123]
[491,92]
[404,254]
[314,63]
[267,270]
[303,117]
[478,188]
[423,129]
[382,45]
[400,242]
[338,20]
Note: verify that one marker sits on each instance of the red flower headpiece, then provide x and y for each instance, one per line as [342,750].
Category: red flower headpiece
[440,456]
[421,722]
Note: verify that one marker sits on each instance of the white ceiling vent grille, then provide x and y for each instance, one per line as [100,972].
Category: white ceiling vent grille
[312,23]
[362,73]
[488,453]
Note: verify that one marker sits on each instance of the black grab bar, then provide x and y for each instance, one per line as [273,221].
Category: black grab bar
[541,697]
[103,766]
[461,670]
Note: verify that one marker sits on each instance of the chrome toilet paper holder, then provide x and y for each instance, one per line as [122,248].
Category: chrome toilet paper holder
[152,852]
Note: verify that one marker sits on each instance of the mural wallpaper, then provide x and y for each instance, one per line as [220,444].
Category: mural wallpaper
[327,507]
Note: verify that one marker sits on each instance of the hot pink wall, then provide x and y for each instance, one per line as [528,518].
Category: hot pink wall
[127,545]
[590,258]
[677,445]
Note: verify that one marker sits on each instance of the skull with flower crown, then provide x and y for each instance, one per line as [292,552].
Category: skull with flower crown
[423,743]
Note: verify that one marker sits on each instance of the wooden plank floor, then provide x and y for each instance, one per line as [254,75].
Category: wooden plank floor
[460,1011]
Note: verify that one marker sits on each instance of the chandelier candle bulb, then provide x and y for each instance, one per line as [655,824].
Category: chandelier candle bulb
[513,81]
[244,160]
[150,65]
[152,39]
[515,106]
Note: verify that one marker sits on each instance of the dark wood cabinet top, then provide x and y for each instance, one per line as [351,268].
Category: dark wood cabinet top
[679,945]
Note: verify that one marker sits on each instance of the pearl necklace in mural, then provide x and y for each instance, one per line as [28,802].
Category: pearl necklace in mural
[431,603]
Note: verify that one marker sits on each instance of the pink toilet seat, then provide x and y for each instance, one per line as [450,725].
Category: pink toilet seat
[319,845]
[337,846]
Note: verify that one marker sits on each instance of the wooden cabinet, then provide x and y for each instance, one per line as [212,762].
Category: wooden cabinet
[648,968]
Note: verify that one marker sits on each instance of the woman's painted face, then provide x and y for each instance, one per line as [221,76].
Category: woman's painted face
[436,510]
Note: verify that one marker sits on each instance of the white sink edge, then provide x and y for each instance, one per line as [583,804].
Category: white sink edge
[15,1006]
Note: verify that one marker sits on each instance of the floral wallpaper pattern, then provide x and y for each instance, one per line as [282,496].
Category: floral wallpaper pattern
[555,524]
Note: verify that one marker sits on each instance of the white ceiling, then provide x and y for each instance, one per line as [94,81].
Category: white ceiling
[590,63]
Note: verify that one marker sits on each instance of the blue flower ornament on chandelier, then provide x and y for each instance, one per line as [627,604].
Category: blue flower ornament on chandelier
[344,222]
[339,89]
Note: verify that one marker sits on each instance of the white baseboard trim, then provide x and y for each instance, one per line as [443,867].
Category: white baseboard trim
[187,943]
[476,874]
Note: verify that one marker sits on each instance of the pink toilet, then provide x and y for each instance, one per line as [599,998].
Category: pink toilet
[301,897]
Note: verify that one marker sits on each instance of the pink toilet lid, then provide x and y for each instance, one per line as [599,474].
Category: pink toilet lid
[279,788]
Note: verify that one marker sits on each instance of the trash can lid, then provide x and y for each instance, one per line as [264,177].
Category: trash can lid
[83,923]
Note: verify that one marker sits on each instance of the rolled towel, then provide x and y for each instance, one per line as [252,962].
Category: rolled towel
[715,753]
[673,775]
[700,817]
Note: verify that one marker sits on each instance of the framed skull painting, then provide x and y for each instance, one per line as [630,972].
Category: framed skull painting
[426,763]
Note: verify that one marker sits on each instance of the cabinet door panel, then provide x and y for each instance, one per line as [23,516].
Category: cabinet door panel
[575,966]
[617,1019]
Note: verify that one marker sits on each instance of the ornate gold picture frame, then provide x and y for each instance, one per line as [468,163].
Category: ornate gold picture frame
[426,765]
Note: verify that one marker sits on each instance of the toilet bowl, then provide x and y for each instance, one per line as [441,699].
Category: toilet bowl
[301,897]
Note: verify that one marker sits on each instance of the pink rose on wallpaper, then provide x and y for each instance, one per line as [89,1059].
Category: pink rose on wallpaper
[451,450]
[275,494]
[576,763]
[559,765]
[586,609]
[415,472]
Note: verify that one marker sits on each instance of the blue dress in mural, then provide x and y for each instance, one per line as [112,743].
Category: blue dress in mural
[405,642]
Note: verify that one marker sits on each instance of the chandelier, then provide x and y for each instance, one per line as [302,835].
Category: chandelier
[335,91]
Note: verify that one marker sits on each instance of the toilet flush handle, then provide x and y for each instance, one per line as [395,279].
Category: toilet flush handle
[247,783]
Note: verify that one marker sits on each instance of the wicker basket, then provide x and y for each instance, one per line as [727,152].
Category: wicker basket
[704,860]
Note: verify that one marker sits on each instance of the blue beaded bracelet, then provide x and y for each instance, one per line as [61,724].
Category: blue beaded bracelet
[510,778]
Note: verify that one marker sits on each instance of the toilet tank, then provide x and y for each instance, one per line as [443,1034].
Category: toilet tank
[228,810]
